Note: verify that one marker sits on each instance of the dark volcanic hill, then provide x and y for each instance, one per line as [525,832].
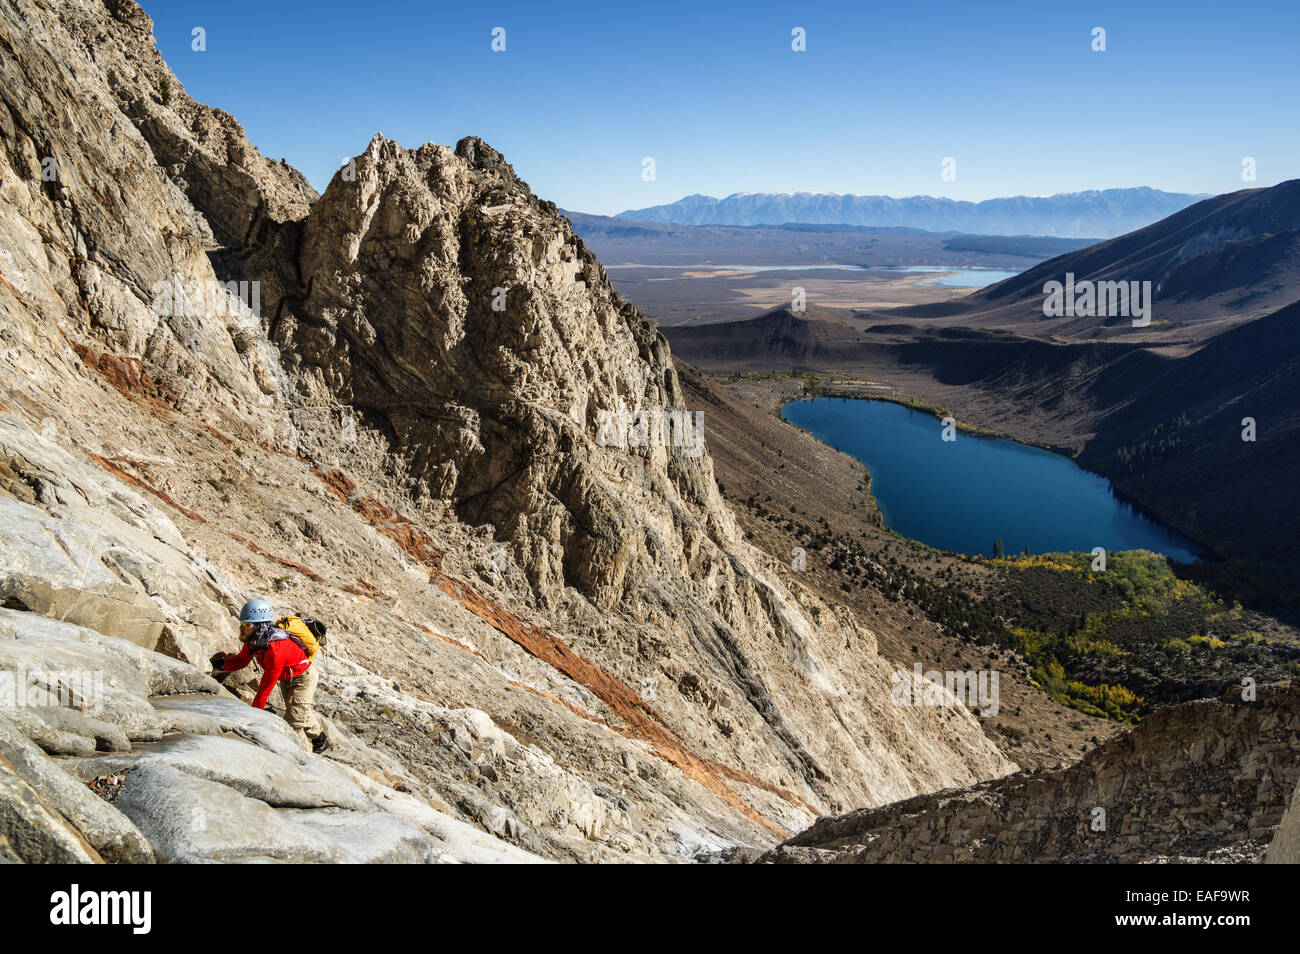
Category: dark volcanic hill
[813,338]
[1175,435]
[1230,258]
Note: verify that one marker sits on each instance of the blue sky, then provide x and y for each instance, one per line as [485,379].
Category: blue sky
[584,91]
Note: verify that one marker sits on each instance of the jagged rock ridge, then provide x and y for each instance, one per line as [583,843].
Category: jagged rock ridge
[1210,779]
[567,645]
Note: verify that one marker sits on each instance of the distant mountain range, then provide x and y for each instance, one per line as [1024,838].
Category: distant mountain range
[620,241]
[1226,259]
[1094,214]
[1161,411]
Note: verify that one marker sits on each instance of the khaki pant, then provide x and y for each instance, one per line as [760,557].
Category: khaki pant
[296,695]
[299,695]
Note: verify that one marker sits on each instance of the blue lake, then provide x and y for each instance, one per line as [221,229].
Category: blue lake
[962,495]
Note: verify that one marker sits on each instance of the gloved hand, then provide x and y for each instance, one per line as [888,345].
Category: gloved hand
[217,660]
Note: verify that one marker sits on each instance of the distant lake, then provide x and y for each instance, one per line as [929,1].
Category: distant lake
[962,277]
[946,277]
[962,495]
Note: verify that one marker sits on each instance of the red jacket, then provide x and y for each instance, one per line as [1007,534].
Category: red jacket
[282,659]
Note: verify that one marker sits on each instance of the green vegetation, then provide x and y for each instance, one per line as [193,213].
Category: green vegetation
[220,488]
[1131,636]
[1113,644]
[1105,701]
[814,382]
[1157,444]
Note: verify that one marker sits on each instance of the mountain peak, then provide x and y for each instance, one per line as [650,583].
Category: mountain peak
[484,158]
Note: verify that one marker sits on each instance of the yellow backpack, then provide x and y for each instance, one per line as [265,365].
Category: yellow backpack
[310,632]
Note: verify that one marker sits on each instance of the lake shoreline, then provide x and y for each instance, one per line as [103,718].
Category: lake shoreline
[1195,547]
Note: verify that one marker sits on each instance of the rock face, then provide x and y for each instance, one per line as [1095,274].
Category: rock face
[1285,847]
[457,314]
[202,777]
[1203,780]
[396,412]
[49,569]
[79,544]
[401,423]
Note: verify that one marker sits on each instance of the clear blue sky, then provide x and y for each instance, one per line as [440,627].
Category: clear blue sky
[714,93]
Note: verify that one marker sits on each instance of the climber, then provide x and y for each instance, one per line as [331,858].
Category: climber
[285,658]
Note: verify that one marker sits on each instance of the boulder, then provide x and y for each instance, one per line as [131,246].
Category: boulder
[189,819]
[278,780]
[223,714]
[32,832]
[56,568]
[454,840]
[64,731]
[107,830]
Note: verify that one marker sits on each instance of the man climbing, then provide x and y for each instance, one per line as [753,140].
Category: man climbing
[285,658]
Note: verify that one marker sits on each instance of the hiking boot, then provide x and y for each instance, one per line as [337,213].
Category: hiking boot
[320,743]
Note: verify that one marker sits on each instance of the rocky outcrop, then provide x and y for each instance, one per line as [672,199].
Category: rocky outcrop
[112,752]
[481,347]
[77,543]
[544,643]
[48,570]
[100,241]
[1285,847]
[552,637]
[1204,780]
